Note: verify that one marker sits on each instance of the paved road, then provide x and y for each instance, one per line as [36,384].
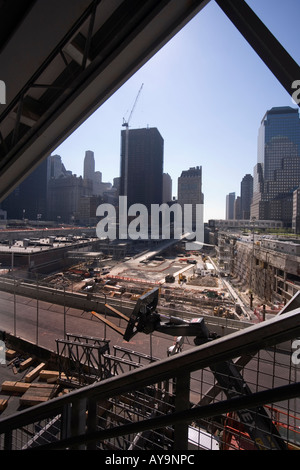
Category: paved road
[41,322]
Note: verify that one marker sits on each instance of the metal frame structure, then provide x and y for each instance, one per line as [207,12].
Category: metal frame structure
[104,48]
[99,45]
[160,401]
[80,359]
[265,44]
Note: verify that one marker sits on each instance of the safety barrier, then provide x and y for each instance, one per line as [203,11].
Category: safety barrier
[182,402]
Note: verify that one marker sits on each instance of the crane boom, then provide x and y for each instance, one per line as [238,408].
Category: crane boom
[126,123]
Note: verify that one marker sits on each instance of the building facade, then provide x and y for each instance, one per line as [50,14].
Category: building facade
[190,189]
[167,188]
[277,173]
[246,196]
[142,155]
[230,199]
[87,207]
[64,195]
[29,199]
[268,268]
[296,211]
[89,166]
[237,208]
[56,168]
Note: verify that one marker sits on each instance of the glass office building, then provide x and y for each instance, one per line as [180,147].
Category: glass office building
[278,138]
[230,199]
[277,173]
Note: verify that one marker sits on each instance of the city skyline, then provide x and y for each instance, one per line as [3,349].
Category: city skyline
[206,91]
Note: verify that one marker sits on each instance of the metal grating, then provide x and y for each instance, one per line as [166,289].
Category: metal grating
[234,393]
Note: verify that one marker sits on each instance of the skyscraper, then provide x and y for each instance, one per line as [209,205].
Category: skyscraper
[29,199]
[277,173]
[237,211]
[246,196]
[230,198]
[190,189]
[89,166]
[167,188]
[56,168]
[63,198]
[142,154]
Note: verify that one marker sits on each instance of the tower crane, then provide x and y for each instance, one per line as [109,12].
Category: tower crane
[126,125]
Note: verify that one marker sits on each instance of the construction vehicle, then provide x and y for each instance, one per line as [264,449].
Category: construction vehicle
[223,312]
[145,319]
[181,278]
[170,278]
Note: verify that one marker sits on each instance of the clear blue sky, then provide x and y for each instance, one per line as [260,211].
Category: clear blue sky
[206,91]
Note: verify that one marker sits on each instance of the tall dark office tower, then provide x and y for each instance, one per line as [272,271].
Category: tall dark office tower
[230,198]
[142,155]
[277,173]
[89,166]
[29,199]
[246,196]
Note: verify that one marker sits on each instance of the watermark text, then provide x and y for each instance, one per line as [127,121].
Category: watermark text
[296,93]
[296,353]
[2,92]
[2,352]
[163,223]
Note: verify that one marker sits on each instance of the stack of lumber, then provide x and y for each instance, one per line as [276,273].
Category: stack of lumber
[16,387]
[10,354]
[38,393]
[34,373]
[32,393]
[51,376]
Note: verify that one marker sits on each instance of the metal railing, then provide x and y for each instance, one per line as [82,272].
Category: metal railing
[41,291]
[240,391]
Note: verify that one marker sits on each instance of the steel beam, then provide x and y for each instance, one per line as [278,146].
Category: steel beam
[269,49]
[112,43]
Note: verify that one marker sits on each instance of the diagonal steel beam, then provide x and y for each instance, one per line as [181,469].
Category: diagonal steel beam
[89,36]
[265,44]
[131,33]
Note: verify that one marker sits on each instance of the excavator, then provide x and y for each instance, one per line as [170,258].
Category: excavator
[145,319]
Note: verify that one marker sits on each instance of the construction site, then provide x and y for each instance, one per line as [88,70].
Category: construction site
[180,288]
[133,346]
[262,265]
[177,301]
